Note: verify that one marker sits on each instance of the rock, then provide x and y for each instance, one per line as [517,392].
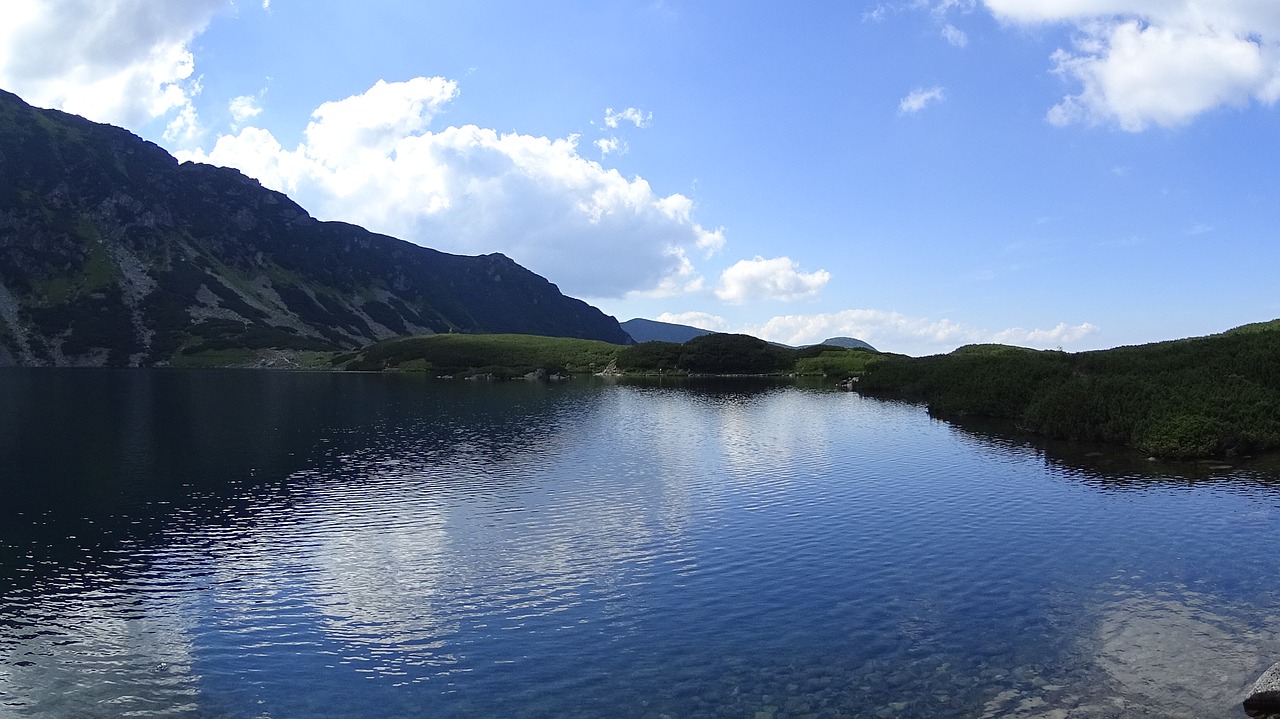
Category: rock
[1264,698]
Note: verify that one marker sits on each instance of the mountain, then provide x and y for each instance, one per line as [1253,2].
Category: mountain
[851,343]
[111,252]
[642,330]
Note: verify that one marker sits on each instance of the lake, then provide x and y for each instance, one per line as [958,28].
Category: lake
[275,544]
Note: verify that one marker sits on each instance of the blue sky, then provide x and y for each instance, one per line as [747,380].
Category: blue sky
[920,174]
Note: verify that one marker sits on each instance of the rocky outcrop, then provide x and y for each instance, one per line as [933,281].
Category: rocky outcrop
[111,252]
[1264,697]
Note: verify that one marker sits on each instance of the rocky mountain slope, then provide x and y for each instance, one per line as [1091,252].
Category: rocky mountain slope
[111,252]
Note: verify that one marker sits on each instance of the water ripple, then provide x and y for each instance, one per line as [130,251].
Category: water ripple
[630,551]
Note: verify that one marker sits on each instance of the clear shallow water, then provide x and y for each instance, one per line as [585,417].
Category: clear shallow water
[242,544]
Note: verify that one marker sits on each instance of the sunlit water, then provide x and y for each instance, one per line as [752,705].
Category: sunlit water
[241,544]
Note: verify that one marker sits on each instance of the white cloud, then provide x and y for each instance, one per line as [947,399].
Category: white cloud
[639,118]
[775,279]
[896,332]
[244,107]
[945,6]
[372,159]
[919,99]
[701,320]
[610,145]
[954,35]
[1060,335]
[681,279]
[372,124]
[184,127]
[126,62]
[1139,63]
[876,14]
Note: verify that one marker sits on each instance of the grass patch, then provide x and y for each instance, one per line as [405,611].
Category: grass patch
[510,354]
[96,273]
[230,357]
[837,363]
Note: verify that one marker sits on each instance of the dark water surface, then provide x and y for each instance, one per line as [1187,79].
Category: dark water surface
[270,544]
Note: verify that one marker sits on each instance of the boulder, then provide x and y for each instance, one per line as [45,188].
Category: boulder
[1264,698]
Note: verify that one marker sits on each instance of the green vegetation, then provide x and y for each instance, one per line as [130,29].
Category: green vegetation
[219,335]
[499,355]
[734,354]
[1203,397]
[708,354]
[742,354]
[654,357]
[95,274]
[839,363]
[518,355]
[227,357]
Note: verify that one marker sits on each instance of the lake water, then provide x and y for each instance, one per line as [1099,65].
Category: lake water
[271,544]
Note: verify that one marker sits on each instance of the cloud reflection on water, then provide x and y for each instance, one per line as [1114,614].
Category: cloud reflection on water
[676,549]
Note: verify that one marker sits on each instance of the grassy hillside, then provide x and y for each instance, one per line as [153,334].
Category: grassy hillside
[1202,397]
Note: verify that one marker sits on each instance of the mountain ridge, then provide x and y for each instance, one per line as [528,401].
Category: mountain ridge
[645,330]
[112,252]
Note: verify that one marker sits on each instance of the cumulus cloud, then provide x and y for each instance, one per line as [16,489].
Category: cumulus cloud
[775,279]
[373,159]
[681,279]
[639,118]
[701,320]
[1139,63]
[126,62]
[896,332]
[919,99]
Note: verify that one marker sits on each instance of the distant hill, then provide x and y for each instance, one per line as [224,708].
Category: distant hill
[642,330]
[852,343]
[113,253]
